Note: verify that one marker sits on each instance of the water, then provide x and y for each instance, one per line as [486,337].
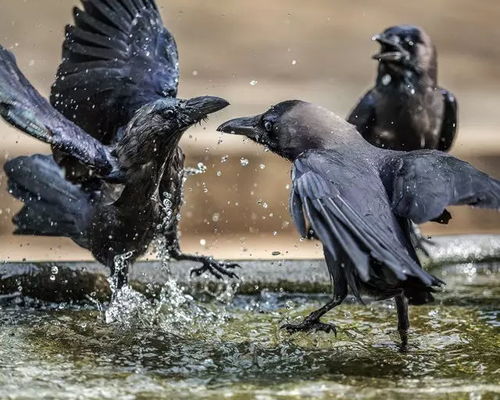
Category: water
[232,348]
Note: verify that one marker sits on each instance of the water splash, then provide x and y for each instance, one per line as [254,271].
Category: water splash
[198,170]
[126,305]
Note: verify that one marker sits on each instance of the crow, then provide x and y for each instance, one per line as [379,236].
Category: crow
[114,181]
[359,201]
[407,110]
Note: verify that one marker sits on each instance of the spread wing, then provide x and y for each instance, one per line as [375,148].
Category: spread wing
[449,125]
[23,107]
[363,115]
[347,207]
[117,57]
[426,182]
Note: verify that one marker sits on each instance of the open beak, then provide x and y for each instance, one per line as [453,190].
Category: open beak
[198,108]
[391,49]
[246,126]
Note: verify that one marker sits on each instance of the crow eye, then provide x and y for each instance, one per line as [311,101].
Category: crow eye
[268,126]
[169,113]
[409,41]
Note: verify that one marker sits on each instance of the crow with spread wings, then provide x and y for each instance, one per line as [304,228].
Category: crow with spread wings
[114,180]
[359,201]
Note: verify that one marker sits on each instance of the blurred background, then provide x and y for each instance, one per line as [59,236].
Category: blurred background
[256,53]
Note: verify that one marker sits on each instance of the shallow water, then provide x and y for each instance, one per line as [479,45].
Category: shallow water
[232,348]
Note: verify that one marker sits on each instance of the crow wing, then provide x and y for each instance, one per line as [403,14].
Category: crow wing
[363,117]
[425,182]
[117,57]
[449,124]
[22,106]
[345,203]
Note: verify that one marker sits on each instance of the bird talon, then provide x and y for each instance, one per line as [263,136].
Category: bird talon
[307,326]
[216,269]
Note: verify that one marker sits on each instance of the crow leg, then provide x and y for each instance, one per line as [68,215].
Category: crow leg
[403,320]
[216,268]
[208,264]
[419,240]
[312,321]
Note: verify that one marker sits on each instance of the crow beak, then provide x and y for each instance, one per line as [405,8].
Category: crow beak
[200,107]
[246,126]
[391,49]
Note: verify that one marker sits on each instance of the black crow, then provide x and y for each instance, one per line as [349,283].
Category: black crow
[115,178]
[407,110]
[359,201]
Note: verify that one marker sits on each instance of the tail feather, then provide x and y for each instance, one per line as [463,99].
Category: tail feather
[52,205]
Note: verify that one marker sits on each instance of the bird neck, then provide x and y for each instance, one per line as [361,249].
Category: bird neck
[392,76]
[143,180]
[343,136]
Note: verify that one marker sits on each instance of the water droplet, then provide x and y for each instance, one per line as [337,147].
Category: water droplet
[276,253]
[244,162]
[195,73]
[386,79]
[224,159]
[219,173]
[54,270]
[254,83]
[294,62]
[203,242]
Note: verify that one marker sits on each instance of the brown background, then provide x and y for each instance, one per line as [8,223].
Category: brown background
[313,50]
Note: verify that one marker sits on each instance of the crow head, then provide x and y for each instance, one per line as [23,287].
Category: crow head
[406,47]
[292,127]
[155,130]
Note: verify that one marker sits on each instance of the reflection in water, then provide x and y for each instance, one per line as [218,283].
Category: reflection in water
[233,349]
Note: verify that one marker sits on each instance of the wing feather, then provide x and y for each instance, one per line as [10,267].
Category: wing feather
[366,231]
[449,125]
[22,106]
[424,183]
[117,57]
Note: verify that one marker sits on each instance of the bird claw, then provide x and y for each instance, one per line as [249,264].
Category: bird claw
[420,244]
[308,326]
[216,268]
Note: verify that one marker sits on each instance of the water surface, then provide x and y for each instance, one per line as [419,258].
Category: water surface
[216,348]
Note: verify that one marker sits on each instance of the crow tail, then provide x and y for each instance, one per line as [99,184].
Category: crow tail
[53,206]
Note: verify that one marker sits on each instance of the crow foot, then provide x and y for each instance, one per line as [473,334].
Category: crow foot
[420,242]
[310,325]
[218,269]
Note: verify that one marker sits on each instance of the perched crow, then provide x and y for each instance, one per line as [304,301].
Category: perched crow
[115,178]
[359,201]
[407,110]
